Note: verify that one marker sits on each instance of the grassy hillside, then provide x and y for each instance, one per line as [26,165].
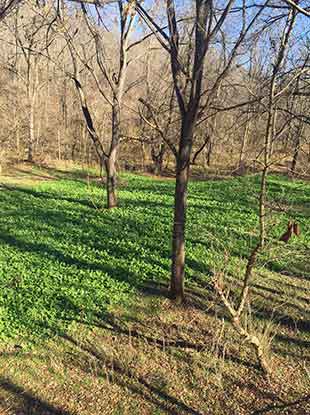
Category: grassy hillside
[85,324]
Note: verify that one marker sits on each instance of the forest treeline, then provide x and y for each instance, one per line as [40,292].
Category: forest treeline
[44,46]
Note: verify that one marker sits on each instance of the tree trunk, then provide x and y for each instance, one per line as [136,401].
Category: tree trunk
[178,239]
[296,148]
[158,159]
[207,154]
[59,145]
[110,161]
[157,168]
[74,146]
[111,180]
[143,156]
[180,204]
[17,141]
[243,146]
[31,132]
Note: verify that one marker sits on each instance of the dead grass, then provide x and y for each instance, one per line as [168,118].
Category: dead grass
[175,360]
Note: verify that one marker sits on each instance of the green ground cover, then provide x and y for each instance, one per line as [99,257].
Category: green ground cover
[65,260]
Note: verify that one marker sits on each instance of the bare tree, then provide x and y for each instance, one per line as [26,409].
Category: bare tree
[272,118]
[115,80]
[28,32]
[188,74]
[235,312]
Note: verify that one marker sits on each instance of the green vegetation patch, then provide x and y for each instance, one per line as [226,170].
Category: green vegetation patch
[64,257]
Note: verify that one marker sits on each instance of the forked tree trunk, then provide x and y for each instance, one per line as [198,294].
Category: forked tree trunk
[158,159]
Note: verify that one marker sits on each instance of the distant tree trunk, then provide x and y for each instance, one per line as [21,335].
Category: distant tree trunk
[17,141]
[31,137]
[74,145]
[208,153]
[111,182]
[243,145]
[116,81]
[159,166]
[158,159]
[32,86]
[209,145]
[59,145]
[108,160]
[143,156]
[85,154]
[295,154]
[297,143]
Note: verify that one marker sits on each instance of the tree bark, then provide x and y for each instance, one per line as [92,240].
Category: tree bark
[158,158]
[110,161]
[208,154]
[111,180]
[297,142]
[180,204]
[178,239]
[31,131]
[243,145]
[295,155]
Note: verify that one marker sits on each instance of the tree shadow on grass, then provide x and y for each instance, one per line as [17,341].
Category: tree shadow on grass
[24,402]
[269,310]
[52,172]
[114,234]
[158,290]
[276,405]
[299,406]
[290,286]
[283,319]
[51,196]
[70,254]
[54,254]
[295,269]
[203,298]
[277,292]
[292,340]
[126,378]
[33,174]
[119,326]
